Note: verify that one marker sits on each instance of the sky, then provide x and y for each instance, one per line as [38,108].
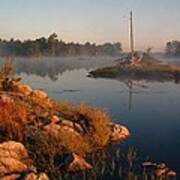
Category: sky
[99,21]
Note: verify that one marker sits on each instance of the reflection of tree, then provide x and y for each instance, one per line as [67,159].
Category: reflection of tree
[130,86]
[130,83]
[52,67]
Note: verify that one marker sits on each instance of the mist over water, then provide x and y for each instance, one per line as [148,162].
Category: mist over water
[151,113]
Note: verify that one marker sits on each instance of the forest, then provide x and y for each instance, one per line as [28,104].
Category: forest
[52,46]
[173,48]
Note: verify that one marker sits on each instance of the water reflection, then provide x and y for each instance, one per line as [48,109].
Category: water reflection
[52,67]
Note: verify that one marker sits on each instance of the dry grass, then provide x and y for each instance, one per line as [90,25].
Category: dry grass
[13,119]
[43,149]
[100,122]
[97,124]
[73,142]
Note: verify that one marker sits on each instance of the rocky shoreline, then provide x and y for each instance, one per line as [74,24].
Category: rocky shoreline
[36,131]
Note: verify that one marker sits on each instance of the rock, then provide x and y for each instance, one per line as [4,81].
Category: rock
[6,99]
[15,163]
[171,173]
[54,119]
[54,129]
[159,169]
[39,94]
[11,177]
[161,172]
[147,164]
[119,133]
[41,98]
[67,123]
[78,164]
[12,158]
[14,150]
[23,89]
[10,165]
[33,176]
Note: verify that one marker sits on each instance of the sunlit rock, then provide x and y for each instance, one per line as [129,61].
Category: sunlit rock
[54,129]
[15,163]
[41,98]
[39,94]
[119,133]
[33,176]
[54,119]
[6,99]
[23,89]
[78,164]
[13,149]
[11,177]
[12,156]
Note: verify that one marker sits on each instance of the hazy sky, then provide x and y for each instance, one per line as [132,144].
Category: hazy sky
[156,21]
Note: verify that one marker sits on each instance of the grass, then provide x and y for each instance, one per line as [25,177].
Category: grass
[96,119]
[13,119]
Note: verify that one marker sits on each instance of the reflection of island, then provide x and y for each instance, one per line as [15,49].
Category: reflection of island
[52,67]
[130,84]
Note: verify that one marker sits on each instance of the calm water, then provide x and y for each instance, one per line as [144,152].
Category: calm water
[152,113]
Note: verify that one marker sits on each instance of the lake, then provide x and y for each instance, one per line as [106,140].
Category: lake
[151,111]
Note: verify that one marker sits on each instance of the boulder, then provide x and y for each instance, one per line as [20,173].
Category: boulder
[78,164]
[12,158]
[13,150]
[33,176]
[15,163]
[23,89]
[39,94]
[6,99]
[41,98]
[11,177]
[54,119]
[54,129]
[159,170]
[118,133]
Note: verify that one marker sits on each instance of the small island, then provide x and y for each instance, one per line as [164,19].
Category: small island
[139,70]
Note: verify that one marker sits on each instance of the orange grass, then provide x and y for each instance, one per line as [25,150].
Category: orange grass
[12,121]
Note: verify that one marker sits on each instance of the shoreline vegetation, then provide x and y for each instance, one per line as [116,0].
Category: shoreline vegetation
[42,139]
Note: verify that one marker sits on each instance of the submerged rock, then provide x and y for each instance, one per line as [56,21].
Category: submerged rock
[159,169]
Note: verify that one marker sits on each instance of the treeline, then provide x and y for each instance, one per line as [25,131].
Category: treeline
[52,46]
[173,48]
